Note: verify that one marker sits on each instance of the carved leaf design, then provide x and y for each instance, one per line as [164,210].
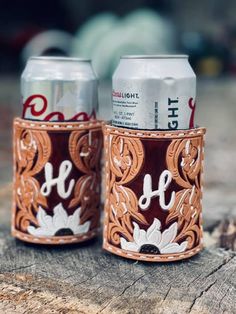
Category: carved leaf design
[86,188]
[126,158]
[184,159]
[123,202]
[85,150]
[32,151]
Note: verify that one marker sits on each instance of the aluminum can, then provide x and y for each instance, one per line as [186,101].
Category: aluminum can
[154,92]
[59,89]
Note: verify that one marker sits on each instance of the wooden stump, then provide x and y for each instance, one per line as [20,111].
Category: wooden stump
[84,279]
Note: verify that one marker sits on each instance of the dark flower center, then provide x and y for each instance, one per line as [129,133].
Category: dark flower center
[64,232]
[149,249]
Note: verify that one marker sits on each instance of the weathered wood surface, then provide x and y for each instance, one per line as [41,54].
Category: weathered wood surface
[84,279]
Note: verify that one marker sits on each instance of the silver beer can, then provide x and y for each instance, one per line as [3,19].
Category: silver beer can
[59,89]
[154,92]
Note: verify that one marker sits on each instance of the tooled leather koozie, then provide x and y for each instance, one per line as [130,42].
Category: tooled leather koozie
[56,198]
[153,208]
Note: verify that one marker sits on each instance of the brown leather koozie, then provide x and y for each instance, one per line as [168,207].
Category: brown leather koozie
[56,181]
[153,193]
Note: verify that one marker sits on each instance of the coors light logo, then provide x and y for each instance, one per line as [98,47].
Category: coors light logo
[124,95]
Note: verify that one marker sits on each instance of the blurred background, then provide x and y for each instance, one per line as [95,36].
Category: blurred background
[103,30]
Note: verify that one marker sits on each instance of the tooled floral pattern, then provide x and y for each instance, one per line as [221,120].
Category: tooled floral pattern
[85,151]
[32,151]
[125,159]
[184,160]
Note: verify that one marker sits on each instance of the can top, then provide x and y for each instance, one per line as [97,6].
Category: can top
[58,68]
[58,59]
[150,67]
[154,57]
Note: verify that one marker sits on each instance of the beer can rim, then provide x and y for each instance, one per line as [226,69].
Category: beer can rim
[167,56]
[62,59]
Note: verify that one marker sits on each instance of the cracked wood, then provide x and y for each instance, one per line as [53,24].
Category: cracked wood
[83,279]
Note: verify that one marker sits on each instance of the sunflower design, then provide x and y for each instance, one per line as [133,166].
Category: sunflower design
[153,241]
[60,224]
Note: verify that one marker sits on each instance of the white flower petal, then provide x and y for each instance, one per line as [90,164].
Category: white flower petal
[73,220]
[60,217]
[82,228]
[129,246]
[44,220]
[78,210]
[154,226]
[168,235]
[153,233]
[155,238]
[142,238]
[49,225]
[183,246]
[174,248]
[40,232]
[136,232]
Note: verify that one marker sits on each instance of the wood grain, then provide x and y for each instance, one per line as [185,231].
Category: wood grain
[83,279]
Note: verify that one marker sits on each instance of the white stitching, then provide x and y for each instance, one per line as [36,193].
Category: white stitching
[58,125]
[53,240]
[155,134]
[159,257]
